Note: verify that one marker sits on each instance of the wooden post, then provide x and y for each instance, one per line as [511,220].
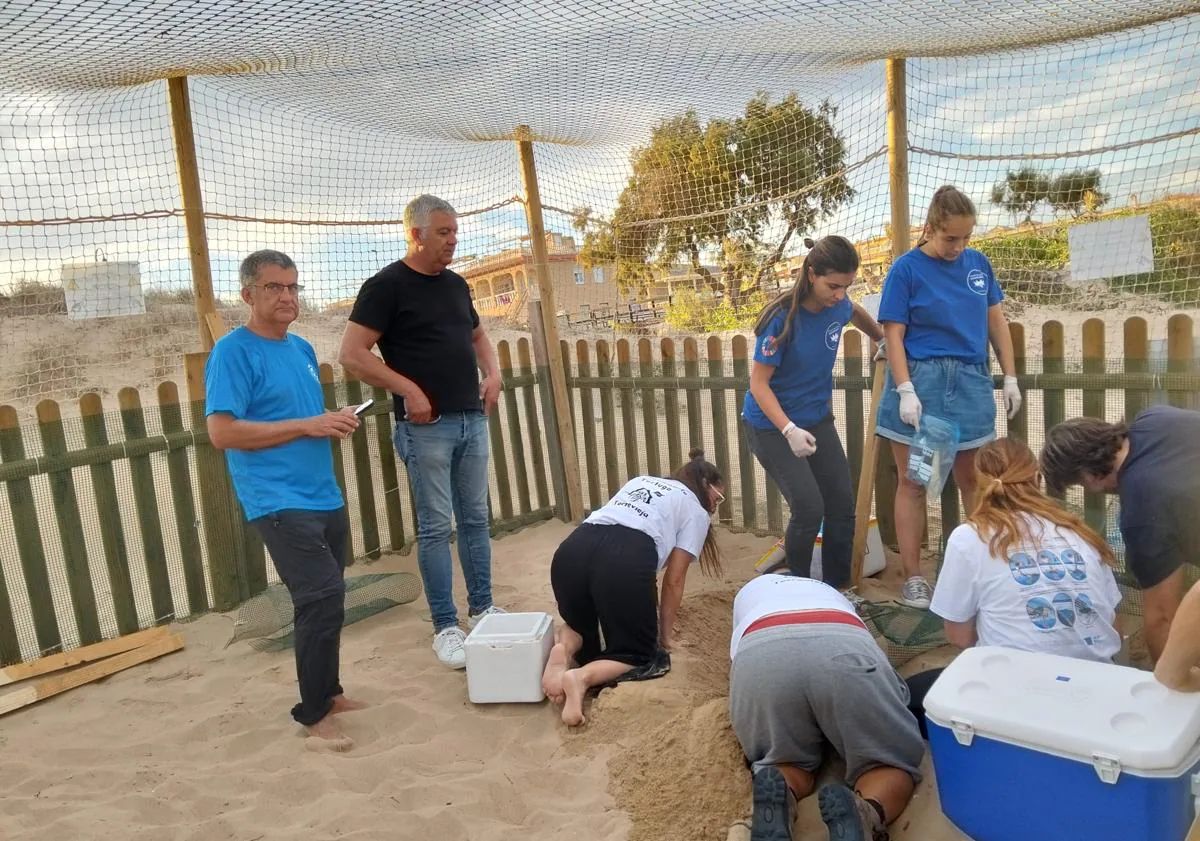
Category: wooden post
[572,505]
[1094,504]
[186,526]
[897,137]
[193,209]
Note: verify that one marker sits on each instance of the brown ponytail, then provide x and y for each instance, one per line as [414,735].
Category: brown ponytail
[948,201]
[828,255]
[698,476]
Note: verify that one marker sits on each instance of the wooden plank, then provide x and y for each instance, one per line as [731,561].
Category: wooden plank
[180,475]
[500,464]
[145,499]
[650,411]
[222,531]
[329,391]
[720,422]
[516,435]
[557,462]
[1018,426]
[749,489]
[628,421]
[591,458]
[70,526]
[1136,353]
[608,419]
[1053,400]
[671,405]
[56,684]
[1093,407]
[216,327]
[1181,356]
[691,370]
[79,656]
[949,504]
[852,359]
[866,477]
[388,468]
[533,426]
[364,478]
[108,512]
[28,532]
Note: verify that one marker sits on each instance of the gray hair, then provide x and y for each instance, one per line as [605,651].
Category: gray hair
[266,257]
[418,211]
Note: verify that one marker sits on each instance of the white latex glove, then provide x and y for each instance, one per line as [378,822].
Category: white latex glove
[910,404]
[881,353]
[1012,396]
[801,441]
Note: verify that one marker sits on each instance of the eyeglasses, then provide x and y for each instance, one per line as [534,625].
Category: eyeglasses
[720,497]
[280,288]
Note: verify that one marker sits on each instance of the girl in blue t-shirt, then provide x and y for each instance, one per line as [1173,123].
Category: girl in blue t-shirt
[940,308]
[788,410]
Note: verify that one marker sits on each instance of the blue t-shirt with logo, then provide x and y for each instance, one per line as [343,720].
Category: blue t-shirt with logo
[803,381]
[255,378]
[943,303]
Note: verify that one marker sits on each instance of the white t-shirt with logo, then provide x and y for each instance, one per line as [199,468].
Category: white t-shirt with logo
[665,509]
[1052,594]
[774,593]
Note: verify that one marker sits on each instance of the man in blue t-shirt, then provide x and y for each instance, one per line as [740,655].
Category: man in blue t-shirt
[266,411]
[1154,465]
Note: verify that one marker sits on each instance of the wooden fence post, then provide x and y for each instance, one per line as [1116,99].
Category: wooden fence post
[180,475]
[558,466]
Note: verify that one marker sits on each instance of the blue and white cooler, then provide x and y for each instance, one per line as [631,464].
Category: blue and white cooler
[1040,746]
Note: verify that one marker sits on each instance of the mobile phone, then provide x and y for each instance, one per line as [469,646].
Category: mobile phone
[370,401]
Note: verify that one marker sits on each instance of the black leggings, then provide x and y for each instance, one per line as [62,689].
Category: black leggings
[605,580]
[816,488]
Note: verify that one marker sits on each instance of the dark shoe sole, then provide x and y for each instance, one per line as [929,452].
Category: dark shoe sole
[771,820]
[839,811]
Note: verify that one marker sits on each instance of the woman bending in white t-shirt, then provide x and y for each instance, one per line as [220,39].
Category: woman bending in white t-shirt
[1024,573]
[605,574]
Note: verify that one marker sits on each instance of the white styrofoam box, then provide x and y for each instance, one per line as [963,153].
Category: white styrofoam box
[506,655]
[874,561]
[1022,739]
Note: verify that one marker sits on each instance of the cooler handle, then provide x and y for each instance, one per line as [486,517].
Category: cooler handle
[964,732]
[1108,768]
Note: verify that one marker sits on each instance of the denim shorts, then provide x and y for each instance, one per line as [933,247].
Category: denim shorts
[951,389]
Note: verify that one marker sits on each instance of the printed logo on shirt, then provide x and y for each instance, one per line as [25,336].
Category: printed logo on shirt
[833,333]
[1052,606]
[977,282]
[770,345]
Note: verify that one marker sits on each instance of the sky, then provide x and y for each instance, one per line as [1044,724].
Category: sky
[351,140]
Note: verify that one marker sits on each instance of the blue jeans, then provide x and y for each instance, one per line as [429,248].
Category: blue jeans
[447,464]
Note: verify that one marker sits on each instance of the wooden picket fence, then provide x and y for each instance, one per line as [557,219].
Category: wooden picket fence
[126,520]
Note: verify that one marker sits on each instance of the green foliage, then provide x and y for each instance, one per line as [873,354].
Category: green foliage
[1074,192]
[711,192]
[693,312]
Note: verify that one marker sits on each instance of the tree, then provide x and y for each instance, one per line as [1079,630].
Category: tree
[714,192]
[1022,191]
[1077,191]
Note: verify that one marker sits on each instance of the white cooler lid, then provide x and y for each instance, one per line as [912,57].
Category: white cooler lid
[510,628]
[1076,708]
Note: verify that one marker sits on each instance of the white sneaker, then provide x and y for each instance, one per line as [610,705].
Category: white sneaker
[855,599]
[473,618]
[448,644]
[916,592]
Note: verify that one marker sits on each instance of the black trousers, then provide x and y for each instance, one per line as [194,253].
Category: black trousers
[605,580]
[309,550]
[817,488]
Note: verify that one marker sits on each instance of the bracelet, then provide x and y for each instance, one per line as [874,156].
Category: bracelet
[790,426]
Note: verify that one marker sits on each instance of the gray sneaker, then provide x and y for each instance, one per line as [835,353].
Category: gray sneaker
[848,817]
[473,618]
[916,592]
[448,645]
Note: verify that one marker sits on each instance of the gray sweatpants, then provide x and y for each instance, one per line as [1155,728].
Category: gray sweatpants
[795,687]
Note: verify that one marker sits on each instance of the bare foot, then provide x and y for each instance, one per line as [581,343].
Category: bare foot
[573,689]
[552,678]
[342,704]
[327,735]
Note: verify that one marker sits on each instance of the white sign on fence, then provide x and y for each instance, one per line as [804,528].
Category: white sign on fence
[102,290]
[870,303]
[1111,248]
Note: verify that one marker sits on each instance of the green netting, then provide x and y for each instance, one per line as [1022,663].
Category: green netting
[266,620]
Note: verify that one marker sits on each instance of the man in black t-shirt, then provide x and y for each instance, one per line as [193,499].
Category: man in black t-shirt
[1154,464]
[420,315]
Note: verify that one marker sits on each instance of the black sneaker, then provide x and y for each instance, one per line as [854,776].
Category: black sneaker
[772,819]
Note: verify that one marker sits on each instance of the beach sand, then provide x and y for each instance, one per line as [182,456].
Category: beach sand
[198,746]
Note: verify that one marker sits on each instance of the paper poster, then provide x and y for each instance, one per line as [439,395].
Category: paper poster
[1111,248]
[102,290]
[870,303]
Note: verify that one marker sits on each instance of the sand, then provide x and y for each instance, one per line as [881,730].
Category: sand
[198,746]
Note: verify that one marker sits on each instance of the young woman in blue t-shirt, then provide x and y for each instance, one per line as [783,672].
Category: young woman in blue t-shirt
[788,410]
[940,308]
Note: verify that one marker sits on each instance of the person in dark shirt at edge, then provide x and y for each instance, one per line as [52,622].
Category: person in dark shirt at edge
[1154,465]
[420,315]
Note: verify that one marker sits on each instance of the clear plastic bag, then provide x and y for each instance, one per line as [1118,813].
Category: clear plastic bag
[932,453]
